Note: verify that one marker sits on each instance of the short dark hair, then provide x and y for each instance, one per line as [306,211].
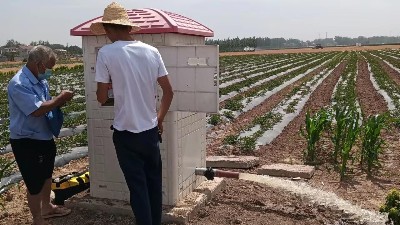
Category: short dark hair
[116,27]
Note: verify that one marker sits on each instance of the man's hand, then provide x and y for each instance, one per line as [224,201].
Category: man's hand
[66,95]
[160,127]
[58,101]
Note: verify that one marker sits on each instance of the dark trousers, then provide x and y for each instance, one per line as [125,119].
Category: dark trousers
[140,160]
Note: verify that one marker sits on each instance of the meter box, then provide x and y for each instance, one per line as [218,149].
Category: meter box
[193,72]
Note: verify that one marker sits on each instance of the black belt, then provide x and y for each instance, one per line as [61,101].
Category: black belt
[159,133]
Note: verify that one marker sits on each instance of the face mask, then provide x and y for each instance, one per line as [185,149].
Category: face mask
[46,75]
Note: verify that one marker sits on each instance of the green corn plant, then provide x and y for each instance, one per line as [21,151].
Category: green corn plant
[338,131]
[247,144]
[234,105]
[5,167]
[371,141]
[351,131]
[395,118]
[315,125]
[229,115]
[392,207]
[231,139]
[4,170]
[215,119]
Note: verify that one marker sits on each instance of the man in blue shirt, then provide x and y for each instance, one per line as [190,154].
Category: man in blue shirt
[30,136]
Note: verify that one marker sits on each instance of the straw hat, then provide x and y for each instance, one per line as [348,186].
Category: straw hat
[113,14]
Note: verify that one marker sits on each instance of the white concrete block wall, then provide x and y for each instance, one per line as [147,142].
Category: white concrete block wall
[182,152]
[91,44]
[106,178]
[191,150]
[172,39]
[183,146]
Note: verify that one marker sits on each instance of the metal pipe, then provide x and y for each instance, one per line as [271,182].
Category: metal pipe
[210,173]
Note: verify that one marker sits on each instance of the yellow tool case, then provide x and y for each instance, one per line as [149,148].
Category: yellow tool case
[69,185]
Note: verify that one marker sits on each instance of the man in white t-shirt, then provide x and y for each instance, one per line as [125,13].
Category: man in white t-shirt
[134,68]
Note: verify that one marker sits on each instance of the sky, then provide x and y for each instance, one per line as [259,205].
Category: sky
[51,20]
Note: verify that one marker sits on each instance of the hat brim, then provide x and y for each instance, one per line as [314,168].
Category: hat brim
[98,28]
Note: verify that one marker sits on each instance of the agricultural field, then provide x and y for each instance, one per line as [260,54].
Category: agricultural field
[336,110]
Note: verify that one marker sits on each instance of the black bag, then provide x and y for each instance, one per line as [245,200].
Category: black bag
[69,185]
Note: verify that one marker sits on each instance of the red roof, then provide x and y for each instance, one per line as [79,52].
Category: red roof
[154,21]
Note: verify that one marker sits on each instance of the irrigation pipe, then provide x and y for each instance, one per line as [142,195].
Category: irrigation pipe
[61,160]
[65,132]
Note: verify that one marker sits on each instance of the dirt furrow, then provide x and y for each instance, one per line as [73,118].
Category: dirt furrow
[219,132]
[289,144]
[371,102]
[392,73]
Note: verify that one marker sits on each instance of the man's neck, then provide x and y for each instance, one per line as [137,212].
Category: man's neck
[125,38]
[32,69]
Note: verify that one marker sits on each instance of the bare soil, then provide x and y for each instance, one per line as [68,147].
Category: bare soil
[252,203]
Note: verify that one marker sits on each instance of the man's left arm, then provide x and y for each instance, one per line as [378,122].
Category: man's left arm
[165,100]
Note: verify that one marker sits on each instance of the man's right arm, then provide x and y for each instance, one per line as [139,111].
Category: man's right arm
[102,78]
[47,106]
[102,92]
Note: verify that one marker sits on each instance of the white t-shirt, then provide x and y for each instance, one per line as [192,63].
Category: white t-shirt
[133,68]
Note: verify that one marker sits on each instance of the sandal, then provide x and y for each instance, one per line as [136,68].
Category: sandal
[45,223]
[57,212]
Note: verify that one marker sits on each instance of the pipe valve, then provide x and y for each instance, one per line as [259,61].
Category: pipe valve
[210,173]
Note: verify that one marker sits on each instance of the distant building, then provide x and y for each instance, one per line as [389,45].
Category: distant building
[10,53]
[61,53]
[15,53]
[23,51]
[5,50]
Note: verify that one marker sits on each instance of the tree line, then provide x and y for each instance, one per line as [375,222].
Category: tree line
[72,50]
[238,44]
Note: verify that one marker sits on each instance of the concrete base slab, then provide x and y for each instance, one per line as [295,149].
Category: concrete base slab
[185,209]
[211,188]
[179,214]
[238,162]
[287,170]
